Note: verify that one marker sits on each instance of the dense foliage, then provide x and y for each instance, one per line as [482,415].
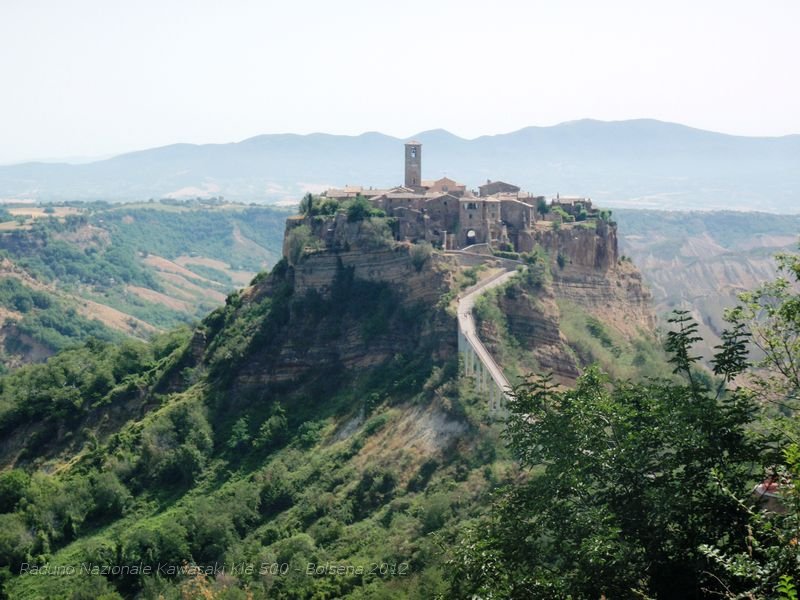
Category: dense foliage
[98,253]
[45,320]
[44,255]
[259,476]
[204,232]
[642,489]
[175,453]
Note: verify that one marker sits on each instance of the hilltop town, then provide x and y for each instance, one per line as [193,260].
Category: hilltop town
[449,216]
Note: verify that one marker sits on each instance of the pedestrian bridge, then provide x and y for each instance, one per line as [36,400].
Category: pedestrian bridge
[478,362]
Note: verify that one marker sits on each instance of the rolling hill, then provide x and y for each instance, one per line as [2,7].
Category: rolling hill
[701,261]
[635,164]
[69,273]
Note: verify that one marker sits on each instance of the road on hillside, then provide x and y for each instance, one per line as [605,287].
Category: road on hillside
[466,323]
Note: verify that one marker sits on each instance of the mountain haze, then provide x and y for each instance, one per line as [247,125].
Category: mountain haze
[636,163]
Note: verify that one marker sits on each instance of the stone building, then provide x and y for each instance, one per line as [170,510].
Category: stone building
[445,185]
[497,187]
[445,213]
[413,165]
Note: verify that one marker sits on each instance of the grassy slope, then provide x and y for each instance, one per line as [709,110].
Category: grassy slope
[126,269]
[382,466]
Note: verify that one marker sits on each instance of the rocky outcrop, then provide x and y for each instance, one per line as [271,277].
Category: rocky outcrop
[588,272]
[593,246]
[349,310]
[533,320]
[391,265]
[583,275]
[616,296]
[357,299]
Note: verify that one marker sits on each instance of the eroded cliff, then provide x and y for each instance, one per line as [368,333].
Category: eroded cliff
[581,303]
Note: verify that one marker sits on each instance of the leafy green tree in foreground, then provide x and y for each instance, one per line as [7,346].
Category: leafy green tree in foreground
[645,489]
[769,565]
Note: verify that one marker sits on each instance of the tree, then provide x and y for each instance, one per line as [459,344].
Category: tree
[542,207]
[769,565]
[307,205]
[13,485]
[627,480]
[358,210]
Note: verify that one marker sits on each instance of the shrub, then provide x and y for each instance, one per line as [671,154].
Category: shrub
[360,209]
[109,495]
[273,430]
[13,485]
[375,424]
[175,445]
[375,234]
[420,253]
[436,511]
[309,434]
[375,488]
[16,541]
[240,433]
[296,242]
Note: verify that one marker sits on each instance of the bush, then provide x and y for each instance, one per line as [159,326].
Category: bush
[420,253]
[375,489]
[175,445]
[296,242]
[436,512]
[375,424]
[13,486]
[240,433]
[277,490]
[309,434]
[273,430]
[505,254]
[360,209]
[16,541]
[375,234]
[110,496]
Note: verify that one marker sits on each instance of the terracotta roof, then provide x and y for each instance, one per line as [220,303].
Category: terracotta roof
[404,195]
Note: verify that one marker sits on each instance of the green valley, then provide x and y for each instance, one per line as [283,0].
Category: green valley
[111,271]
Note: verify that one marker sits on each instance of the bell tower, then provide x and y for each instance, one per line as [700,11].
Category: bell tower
[413,165]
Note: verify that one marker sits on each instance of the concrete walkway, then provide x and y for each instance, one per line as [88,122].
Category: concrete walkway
[469,333]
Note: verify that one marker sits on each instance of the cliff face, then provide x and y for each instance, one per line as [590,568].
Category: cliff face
[550,322]
[350,303]
[591,275]
[354,299]
[588,247]
[533,321]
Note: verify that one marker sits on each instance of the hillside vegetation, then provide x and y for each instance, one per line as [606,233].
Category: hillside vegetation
[167,451]
[73,272]
[315,437]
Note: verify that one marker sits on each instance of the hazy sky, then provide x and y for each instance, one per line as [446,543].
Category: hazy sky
[96,77]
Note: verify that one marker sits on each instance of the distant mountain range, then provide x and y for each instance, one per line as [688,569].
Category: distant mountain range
[637,163]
